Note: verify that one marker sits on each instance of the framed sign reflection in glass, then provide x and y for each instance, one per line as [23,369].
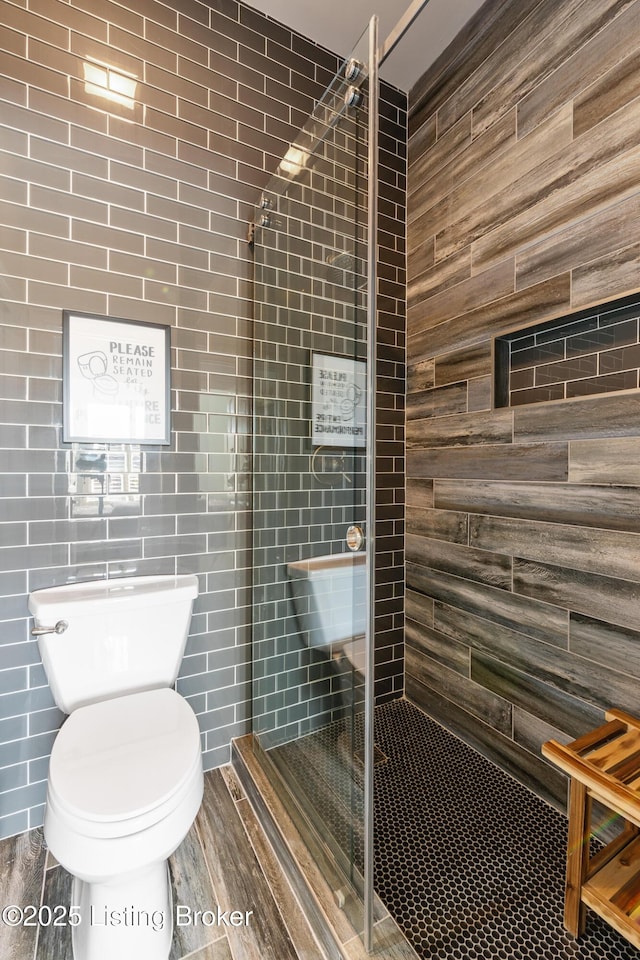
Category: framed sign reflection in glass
[338,401]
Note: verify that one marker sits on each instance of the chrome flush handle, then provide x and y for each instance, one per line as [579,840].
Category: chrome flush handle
[60,627]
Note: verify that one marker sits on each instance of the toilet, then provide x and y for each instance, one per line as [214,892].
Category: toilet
[125,779]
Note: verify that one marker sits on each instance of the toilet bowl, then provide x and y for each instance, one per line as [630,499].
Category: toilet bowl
[125,778]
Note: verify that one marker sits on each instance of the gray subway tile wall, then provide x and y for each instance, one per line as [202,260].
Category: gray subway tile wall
[118,225]
[304,305]
[141,213]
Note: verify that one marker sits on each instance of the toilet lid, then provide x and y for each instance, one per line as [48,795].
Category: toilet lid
[122,758]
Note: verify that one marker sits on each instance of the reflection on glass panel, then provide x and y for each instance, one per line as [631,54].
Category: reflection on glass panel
[104,480]
[310,477]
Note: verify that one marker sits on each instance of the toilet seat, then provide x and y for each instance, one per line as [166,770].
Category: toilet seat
[121,765]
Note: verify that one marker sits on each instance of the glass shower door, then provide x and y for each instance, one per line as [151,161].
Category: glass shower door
[313,281]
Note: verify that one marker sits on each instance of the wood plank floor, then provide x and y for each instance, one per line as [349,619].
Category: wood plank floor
[215,866]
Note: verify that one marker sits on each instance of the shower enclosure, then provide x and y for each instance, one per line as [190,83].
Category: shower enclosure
[313,239]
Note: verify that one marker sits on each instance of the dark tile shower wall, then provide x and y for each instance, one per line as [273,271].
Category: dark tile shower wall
[140,214]
[391,396]
[523,568]
[304,502]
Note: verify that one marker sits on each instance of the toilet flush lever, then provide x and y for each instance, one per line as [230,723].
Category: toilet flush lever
[60,627]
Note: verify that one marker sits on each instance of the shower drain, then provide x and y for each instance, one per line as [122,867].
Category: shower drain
[345,749]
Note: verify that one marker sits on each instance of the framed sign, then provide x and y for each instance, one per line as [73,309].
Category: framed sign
[116,378]
[338,401]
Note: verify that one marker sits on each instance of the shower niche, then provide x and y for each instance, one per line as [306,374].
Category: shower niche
[589,353]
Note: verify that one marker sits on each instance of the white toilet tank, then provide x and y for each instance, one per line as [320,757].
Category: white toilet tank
[123,635]
[329,597]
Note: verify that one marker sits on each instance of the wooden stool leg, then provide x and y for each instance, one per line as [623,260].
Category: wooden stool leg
[577,857]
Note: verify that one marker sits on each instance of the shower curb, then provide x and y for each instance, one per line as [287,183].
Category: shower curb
[336,936]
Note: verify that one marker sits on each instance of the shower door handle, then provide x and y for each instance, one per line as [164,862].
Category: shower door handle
[355,538]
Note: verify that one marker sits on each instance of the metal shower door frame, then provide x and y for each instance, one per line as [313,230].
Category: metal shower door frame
[370,512]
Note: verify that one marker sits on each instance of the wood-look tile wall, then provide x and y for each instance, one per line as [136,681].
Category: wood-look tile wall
[142,213]
[523,572]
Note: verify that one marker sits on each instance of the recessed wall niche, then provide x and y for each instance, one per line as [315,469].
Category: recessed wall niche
[592,352]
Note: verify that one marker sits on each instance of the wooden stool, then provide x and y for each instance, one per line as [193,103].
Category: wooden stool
[603,765]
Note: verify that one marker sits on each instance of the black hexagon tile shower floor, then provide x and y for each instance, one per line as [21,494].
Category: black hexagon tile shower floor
[469,862]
